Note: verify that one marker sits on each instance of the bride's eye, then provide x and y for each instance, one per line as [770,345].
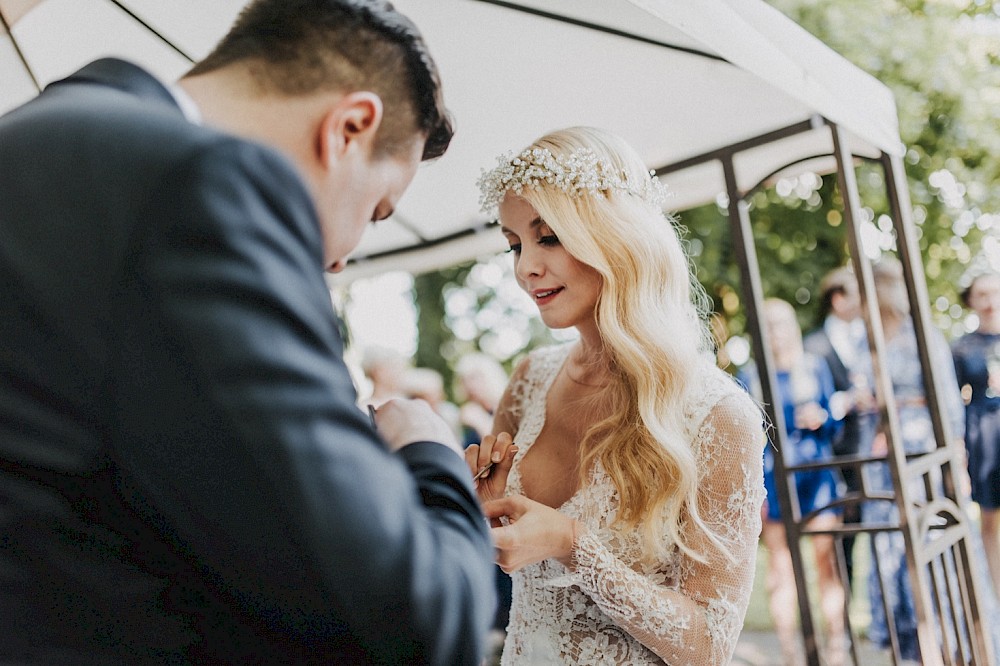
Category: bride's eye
[515,248]
[549,241]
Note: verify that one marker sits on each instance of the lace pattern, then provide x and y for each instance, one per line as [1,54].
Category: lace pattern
[614,608]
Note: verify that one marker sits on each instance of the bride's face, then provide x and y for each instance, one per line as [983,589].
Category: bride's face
[565,289]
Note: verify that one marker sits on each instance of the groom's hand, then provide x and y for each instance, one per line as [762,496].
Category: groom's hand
[402,422]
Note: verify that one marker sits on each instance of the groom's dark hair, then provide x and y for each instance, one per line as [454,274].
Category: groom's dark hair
[297,47]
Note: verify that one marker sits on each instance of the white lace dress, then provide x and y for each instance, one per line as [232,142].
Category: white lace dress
[612,609]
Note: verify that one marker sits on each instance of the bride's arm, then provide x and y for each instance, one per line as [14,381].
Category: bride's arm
[700,621]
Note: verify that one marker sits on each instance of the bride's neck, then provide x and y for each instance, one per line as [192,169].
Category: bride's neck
[588,365]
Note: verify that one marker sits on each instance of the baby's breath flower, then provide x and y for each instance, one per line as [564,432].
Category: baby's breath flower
[577,174]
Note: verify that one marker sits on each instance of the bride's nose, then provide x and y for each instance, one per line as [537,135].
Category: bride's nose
[529,264]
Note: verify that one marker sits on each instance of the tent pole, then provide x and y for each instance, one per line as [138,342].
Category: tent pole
[909,251]
[20,54]
[753,296]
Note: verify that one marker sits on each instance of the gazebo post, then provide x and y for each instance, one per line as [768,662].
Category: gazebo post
[887,408]
[948,460]
[936,532]
[753,296]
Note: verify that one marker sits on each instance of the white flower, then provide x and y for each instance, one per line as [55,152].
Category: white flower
[577,174]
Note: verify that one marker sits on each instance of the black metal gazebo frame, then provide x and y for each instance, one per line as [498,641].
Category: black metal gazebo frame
[936,532]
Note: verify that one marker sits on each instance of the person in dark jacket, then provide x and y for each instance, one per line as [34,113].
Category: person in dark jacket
[840,340]
[977,368]
[185,475]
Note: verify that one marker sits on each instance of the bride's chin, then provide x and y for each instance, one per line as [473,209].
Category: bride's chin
[555,322]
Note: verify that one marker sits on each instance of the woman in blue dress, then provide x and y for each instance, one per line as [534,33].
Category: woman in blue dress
[977,367]
[804,387]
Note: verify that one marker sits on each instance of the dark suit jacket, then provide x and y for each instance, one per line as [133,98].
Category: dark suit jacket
[184,475]
[855,427]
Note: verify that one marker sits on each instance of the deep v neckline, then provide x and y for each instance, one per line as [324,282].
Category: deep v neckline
[543,386]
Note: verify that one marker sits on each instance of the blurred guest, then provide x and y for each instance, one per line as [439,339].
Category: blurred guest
[902,361]
[427,384]
[977,366]
[804,389]
[385,369]
[839,340]
[481,382]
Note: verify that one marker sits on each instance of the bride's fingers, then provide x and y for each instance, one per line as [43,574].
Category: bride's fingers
[503,443]
[472,458]
[502,469]
[485,451]
[505,557]
[498,451]
[512,506]
[502,537]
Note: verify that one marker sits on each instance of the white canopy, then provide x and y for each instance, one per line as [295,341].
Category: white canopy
[677,79]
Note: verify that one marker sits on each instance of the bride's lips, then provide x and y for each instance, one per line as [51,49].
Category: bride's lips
[543,296]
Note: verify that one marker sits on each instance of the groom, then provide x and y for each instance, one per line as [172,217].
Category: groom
[184,474]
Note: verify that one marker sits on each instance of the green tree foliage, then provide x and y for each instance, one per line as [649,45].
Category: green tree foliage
[475,306]
[941,59]
[797,238]
[434,336]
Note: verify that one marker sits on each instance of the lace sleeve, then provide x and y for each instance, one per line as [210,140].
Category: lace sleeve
[695,614]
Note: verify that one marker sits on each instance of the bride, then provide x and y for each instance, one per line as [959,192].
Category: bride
[624,475]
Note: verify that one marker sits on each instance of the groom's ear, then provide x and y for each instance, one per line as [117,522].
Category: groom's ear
[349,125]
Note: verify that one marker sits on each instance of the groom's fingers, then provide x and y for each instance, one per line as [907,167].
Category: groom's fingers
[493,452]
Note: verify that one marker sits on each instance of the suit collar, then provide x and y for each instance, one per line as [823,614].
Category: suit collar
[123,76]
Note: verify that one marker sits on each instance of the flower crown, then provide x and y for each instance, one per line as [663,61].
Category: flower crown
[581,172]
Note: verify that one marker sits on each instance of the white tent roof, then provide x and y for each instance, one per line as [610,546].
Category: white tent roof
[677,79]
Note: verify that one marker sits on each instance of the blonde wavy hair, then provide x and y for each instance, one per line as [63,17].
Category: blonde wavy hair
[651,314]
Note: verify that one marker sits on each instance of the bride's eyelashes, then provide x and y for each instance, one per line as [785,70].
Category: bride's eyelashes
[545,241]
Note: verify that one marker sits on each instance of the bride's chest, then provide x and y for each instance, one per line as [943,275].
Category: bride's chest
[550,467]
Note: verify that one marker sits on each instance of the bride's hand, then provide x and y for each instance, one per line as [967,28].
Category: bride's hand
[534,532]
[498,450]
